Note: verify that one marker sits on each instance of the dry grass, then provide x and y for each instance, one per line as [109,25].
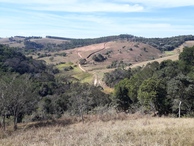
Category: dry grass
[129,130]
[174,55]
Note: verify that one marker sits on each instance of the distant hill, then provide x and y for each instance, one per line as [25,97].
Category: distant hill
[53,43]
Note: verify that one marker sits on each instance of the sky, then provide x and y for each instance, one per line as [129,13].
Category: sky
[96,18]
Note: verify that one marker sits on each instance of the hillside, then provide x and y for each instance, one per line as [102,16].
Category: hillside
[128,52]
[121,53]
[115,51]
[59,43]
[12,61]
[171,55]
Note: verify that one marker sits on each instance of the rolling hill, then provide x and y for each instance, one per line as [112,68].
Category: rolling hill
[114,51]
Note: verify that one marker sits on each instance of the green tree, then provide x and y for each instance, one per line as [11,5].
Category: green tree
[121,95]
[4,103]
[98,58]
[186,60]
[84,97]
[19,97]
[153,96]
[181,88]
[187,56]
[112,78]
[51,107]
[82,61]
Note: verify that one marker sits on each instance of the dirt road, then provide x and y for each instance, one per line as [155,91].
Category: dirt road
[172,57]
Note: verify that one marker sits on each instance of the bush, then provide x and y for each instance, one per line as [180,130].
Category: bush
[68,68]
[82,61]
[98,58]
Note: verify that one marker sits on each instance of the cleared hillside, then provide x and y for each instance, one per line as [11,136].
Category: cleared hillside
[175,55]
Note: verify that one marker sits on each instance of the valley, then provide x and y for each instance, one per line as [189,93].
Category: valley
[131,54]
[118,53]
[131,88]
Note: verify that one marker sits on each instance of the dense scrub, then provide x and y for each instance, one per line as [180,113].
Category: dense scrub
[29,91]
[158,88]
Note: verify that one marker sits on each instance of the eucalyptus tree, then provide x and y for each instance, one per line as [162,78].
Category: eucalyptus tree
[17,96]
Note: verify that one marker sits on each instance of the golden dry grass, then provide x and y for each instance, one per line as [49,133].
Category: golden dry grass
[174,55]
[127,130]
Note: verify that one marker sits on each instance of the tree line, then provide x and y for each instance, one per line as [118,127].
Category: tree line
[157,87]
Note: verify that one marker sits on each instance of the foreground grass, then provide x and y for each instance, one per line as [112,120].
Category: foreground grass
[129,131]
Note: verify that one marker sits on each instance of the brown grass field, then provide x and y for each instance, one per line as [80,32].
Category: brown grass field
[108,130]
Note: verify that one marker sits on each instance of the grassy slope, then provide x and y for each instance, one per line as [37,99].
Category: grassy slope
[129,130]
[170,55]
[77,73]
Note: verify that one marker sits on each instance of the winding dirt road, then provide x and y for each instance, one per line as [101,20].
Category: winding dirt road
[82,68]
[97,82]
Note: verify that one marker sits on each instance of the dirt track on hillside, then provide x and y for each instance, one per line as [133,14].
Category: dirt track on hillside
[96,51]
[96,48]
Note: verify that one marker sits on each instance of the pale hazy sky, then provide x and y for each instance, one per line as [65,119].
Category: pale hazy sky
[96,18]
